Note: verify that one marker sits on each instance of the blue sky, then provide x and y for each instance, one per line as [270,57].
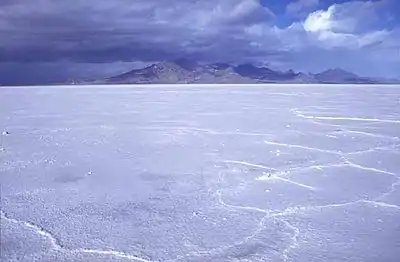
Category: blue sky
[52,40]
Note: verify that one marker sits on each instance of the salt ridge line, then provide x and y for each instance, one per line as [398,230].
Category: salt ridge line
[367,134]
[291,211]
[284,172]
[391,191]
[296,230]
[371,150]
[111,253]
[260,227]
[294,240]
[247,208]
[214,132]
[57,246]
[302,147]
[38,230]
[288,211]
[279,178]
[302,115]
[207,131]
[219,250]
[293,183]
[317,167]
[381,204]
[351,164]
[298,209]
[346,163]
[342,154]
[346,130]
[248,164]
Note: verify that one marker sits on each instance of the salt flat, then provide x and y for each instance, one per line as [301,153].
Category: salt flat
[200,173]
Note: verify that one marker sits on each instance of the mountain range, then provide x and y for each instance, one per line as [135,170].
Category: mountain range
[188,72]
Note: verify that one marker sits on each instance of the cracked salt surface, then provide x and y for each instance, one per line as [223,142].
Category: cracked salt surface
[245,173]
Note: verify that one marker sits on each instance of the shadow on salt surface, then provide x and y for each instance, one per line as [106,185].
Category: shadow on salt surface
[44,170]
[69,173]
[359,232]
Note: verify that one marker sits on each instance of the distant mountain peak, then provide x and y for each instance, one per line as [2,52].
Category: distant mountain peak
[339,75]
[165,65]
[339,71]
[188,71]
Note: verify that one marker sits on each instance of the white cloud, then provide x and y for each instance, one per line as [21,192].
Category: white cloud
[349,17]
[319,21]
[349,35]
[345,25]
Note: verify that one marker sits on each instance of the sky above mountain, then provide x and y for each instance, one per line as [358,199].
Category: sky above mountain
[51,40]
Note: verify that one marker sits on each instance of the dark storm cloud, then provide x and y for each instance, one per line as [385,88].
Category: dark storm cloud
[68,34]
[125,30]
[15,73]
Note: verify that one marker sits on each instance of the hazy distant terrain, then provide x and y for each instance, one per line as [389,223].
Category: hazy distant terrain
[188,72]
[200,173]
[184,71]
